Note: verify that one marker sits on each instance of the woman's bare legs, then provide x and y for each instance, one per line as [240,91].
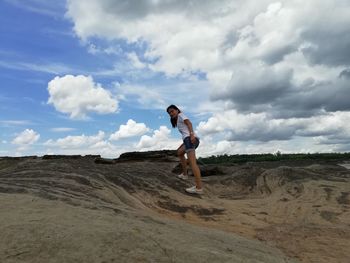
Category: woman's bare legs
[181,153]
[191,155]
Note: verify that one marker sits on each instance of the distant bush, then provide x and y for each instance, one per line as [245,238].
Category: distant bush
[243,158]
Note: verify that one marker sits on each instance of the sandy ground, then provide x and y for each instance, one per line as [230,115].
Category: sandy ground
[74,210]
[38,230]
[307,218]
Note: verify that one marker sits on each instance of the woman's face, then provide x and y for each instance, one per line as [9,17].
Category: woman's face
[173,112]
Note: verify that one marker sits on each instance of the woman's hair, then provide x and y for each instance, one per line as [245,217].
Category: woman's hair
[173,120]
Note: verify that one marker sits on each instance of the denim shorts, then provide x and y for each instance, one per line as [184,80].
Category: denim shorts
[189,146]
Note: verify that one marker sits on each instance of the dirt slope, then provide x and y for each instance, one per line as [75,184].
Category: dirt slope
[74,209]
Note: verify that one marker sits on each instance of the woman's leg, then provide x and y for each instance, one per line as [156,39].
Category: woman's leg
[191,155]
[181,153]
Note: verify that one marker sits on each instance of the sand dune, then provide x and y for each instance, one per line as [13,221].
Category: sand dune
[133,209]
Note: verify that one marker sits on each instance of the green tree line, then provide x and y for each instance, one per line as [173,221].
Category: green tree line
[242,158]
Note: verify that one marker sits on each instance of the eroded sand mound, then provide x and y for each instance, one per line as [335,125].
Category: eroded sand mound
[57,209]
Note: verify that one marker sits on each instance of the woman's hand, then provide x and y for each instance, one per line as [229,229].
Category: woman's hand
[193,138]
[190,129]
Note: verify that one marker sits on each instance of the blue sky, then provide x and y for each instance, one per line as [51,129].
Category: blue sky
[94,77]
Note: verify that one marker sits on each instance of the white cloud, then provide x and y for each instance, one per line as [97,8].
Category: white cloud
[160,140]
[84,144]
[39,6]
[274,68]
[256,83]
[76,141]
[328,129]
[260,127]
[190,95]
[25,139]
[214,38]
[182,36]
[245,127]
[209,147]
[14,122]
[51,68]
[113,50]
[80,95]
[136,61]
[145,96]
[62,129]
[131,129]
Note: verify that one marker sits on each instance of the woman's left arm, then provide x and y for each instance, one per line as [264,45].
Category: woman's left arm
[190,128]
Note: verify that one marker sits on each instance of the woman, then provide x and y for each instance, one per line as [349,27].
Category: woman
[190,143]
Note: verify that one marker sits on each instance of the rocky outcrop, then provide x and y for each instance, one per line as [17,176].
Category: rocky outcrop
[206,170]
[51,157]
[134,208]
[158,156]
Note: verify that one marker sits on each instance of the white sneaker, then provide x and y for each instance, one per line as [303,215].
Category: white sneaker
[182,176]
[194,190]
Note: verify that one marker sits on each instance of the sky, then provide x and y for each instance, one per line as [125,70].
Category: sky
[95,76]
